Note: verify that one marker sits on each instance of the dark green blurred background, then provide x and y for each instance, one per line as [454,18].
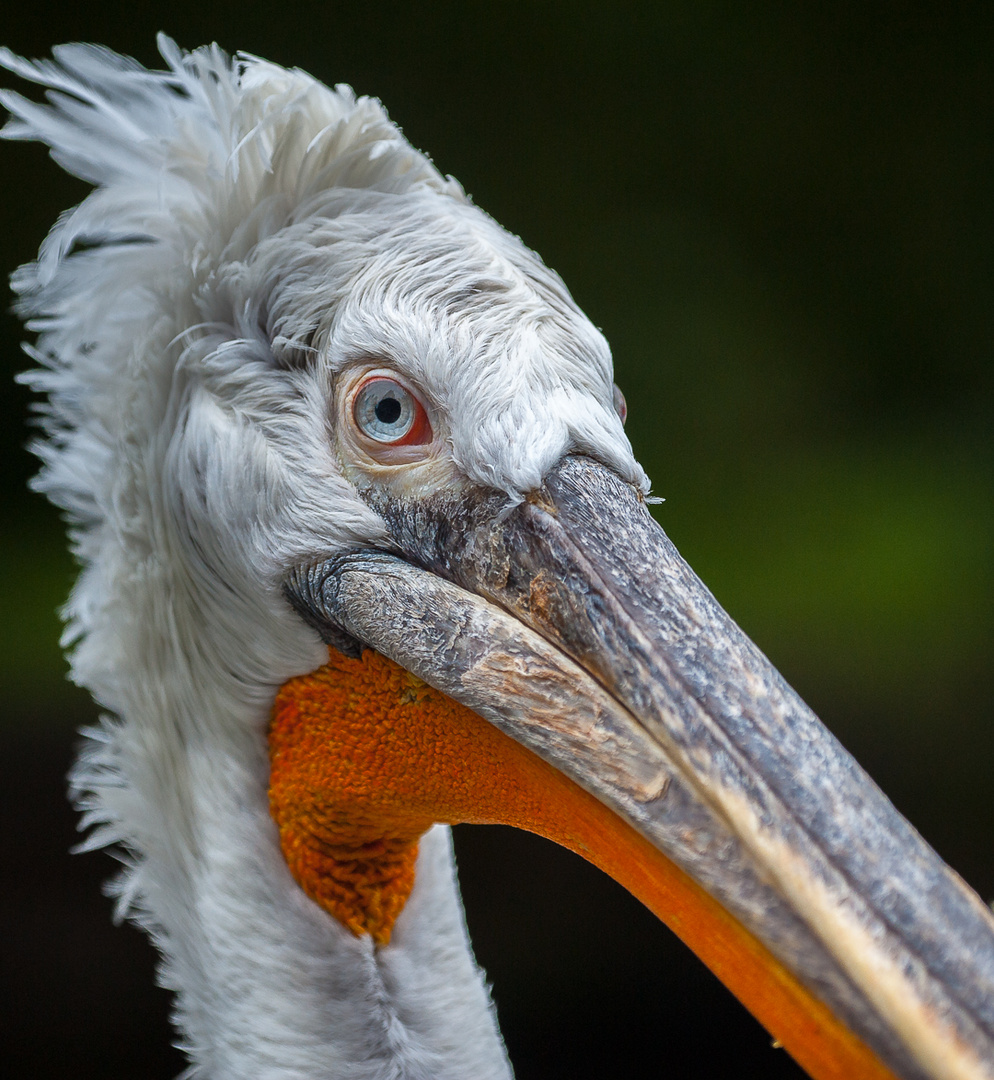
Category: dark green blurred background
[781,217]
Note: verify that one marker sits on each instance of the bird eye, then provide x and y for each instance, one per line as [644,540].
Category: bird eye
[620,405]
[389,413]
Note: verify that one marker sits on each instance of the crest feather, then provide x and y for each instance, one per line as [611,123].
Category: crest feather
[191,167]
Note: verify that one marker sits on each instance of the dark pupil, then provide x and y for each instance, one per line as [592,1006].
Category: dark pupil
[388,410]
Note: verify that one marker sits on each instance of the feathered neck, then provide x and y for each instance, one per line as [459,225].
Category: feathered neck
[142,307]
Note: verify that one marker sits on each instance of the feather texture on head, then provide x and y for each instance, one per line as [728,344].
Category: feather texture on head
[251,234]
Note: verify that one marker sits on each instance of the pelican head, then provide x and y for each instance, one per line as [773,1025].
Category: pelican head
[365,552]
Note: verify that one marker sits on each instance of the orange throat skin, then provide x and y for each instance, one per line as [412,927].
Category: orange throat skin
[365,758]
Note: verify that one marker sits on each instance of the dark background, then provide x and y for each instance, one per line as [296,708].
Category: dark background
[781,217]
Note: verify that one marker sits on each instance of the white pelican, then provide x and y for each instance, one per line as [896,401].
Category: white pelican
[364,552]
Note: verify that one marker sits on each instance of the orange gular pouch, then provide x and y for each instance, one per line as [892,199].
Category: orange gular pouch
[365,758]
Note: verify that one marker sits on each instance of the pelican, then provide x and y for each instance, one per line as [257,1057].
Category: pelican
[364,553]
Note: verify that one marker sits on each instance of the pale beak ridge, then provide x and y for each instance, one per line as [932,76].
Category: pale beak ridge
[572,623]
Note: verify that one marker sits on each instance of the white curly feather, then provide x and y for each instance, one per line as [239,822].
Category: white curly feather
[250,231]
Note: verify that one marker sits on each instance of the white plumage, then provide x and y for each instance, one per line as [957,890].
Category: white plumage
[260,258]
[251,232]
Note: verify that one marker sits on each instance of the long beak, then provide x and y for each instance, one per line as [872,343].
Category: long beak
[572,624]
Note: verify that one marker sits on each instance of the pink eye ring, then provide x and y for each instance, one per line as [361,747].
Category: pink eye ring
[387,412]
[620,405]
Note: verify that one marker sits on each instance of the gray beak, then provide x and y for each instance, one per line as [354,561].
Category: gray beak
[572,624]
